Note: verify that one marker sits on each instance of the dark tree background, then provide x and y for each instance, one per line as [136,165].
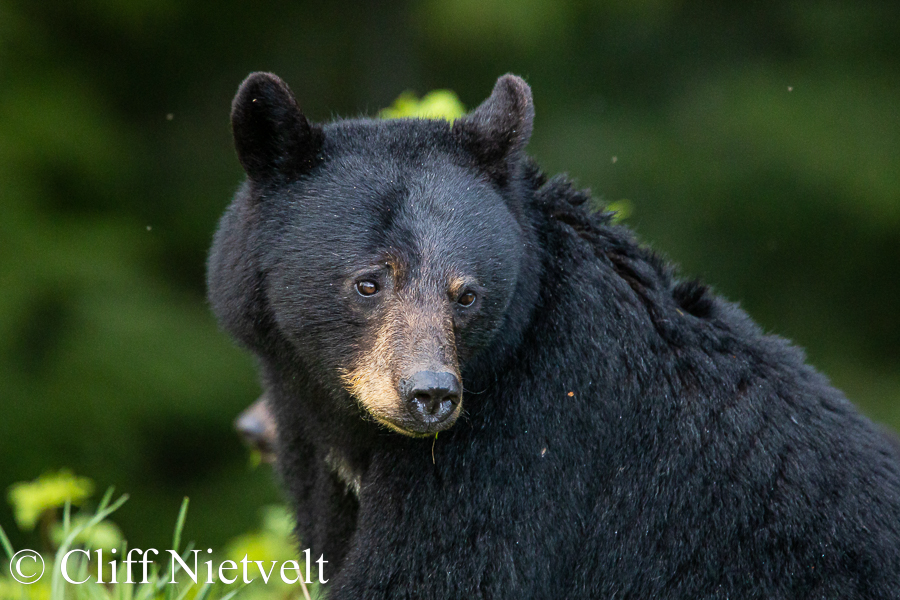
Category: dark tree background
[757,144]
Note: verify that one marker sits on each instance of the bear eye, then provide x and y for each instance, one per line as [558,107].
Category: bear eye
[466,299]
[366,288]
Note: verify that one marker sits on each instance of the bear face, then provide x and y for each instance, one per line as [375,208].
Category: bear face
[365,268]
[418,287]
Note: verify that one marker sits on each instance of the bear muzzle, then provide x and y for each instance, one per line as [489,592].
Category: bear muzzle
[432,399]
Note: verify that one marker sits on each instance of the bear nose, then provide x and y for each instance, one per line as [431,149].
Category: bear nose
[257,428]
[433,395]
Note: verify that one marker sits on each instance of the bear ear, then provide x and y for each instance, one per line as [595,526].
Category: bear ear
[500,127]
[274,141]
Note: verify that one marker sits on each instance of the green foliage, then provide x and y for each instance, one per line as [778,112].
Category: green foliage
[622,209]
[437,104]
[271,542]
[91,530]
[50,491]
[105,534]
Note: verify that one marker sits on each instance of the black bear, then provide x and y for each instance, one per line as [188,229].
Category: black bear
[606,430]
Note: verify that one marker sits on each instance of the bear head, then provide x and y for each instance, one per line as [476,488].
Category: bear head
[380,258]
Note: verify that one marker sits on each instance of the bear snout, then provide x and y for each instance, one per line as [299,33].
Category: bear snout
[256,426]
[432,397]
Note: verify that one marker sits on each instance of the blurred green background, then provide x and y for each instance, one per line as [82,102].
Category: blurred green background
[757,144]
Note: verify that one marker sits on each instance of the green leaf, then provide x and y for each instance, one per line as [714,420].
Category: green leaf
[438,104]
[30,499]
[622,209]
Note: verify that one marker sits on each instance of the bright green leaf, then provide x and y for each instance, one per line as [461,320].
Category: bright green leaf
[438,104]
[622,209]
[30,499]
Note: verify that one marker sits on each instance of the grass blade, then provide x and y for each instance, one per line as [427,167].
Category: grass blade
[67,516]
[56,583]
[7,546]
[179,524]
[204,592]
[231,594]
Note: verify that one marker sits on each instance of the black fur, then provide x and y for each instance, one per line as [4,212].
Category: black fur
[625,435]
